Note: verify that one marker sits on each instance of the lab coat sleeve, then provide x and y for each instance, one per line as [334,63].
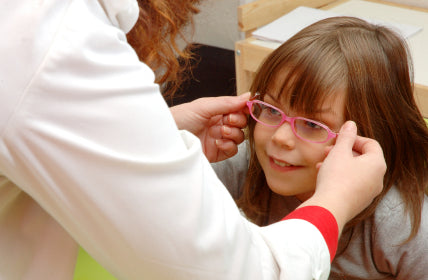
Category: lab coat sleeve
[85,132]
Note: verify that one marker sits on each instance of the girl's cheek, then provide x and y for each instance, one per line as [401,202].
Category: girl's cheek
[320,154]
[260,134]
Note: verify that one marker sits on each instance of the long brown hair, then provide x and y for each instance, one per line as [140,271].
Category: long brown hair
[154,38]
[372,64]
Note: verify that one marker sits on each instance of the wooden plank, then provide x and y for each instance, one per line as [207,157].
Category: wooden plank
[261,12]
[248,58]
[399,5]
[421,97]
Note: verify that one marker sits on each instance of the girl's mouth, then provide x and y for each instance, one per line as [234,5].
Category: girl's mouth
[280,163]
[282,166]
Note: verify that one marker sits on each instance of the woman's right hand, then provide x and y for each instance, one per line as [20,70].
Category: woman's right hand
[216,121]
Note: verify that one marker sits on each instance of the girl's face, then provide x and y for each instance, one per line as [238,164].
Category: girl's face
[288,162]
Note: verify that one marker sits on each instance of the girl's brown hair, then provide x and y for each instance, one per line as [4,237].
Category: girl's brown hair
[371,63]
[155,35]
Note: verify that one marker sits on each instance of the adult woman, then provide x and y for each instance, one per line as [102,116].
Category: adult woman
[90,155]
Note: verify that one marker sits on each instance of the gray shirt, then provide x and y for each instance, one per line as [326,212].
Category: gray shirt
[374,249]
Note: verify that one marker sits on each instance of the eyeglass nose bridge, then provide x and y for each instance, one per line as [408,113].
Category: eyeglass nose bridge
[287,119]
[291,122]
[284,119]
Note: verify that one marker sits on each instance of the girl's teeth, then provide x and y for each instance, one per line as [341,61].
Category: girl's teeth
[280,163]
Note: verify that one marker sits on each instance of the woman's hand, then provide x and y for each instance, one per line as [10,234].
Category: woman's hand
[351,176]
[216,121]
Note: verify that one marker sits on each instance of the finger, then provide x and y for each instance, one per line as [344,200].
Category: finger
[232,133]
[365,145]
[346,138]
[224,104]
[226,147]
[326,152]
[238,119]
[328,149]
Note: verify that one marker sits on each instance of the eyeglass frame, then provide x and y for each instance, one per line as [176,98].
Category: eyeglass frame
[291,120]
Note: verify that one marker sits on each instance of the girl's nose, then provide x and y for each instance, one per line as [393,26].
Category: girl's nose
[284,136]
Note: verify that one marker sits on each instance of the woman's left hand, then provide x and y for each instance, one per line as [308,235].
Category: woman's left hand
[216,121]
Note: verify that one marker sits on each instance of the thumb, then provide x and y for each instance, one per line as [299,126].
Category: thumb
[346,138]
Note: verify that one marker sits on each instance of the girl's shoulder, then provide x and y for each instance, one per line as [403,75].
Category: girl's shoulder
[391,202]
[376,247]
[233,171]
[393,205]
[391,228]
[392,222]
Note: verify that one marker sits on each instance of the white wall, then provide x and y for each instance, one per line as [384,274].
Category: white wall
[217,23]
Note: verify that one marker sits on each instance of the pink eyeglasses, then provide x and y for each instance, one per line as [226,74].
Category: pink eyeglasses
[305,129]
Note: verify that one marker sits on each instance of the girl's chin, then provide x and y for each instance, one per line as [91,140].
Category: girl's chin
[304,196]
[300,196]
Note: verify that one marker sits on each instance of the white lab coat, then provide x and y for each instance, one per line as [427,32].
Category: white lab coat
[91,156]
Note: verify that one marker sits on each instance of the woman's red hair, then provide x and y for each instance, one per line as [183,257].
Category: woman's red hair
[155,35]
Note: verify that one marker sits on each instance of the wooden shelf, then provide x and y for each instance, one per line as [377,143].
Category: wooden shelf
[250,52]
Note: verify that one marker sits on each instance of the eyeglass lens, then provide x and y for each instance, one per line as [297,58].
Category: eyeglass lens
[304,128]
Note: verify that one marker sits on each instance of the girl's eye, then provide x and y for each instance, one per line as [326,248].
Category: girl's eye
[312,125]
[272,111]
[269,110]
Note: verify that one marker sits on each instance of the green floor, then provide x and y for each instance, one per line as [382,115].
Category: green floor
[88,269]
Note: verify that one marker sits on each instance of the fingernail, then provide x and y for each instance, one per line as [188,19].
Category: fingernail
[226,130]
[230,118]
[349,126]
[218,142]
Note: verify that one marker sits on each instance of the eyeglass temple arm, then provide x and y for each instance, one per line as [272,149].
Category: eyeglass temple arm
[256,96]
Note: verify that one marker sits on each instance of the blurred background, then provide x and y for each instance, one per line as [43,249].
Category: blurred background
[216,31]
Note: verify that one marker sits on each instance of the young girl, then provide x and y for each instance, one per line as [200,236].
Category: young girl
[335,70]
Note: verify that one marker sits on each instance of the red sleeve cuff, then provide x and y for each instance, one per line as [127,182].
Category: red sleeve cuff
[323,220]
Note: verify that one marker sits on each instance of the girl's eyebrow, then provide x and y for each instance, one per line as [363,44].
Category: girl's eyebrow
[325,110]
[272,98]
[276,102]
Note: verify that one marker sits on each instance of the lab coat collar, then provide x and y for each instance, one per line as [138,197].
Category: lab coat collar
[122,13]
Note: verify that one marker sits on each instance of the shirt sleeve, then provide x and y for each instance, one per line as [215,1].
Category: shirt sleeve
[299,248]
[88,136]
